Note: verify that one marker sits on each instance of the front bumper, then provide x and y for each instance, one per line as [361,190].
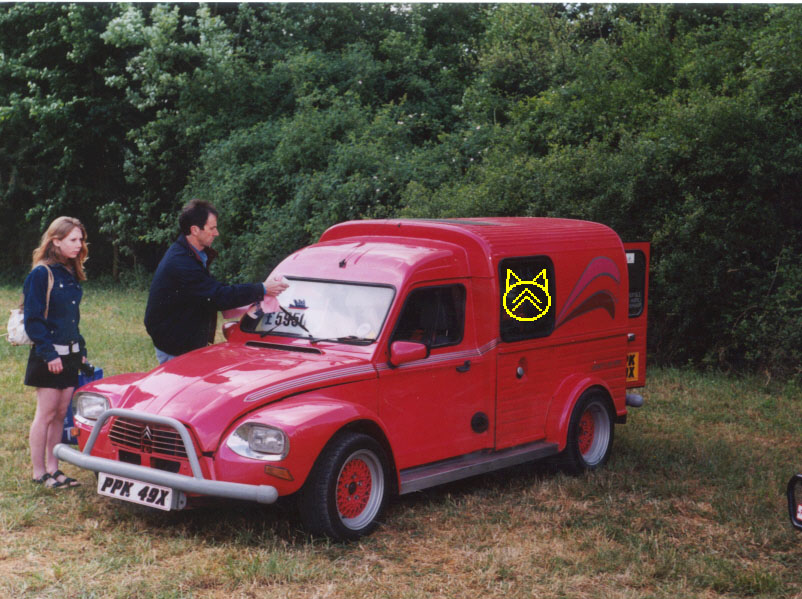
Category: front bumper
[180,482]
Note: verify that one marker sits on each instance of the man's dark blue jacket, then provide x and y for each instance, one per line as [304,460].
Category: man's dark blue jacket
[184,299]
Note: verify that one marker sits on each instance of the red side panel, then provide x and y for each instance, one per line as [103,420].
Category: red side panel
[638,268]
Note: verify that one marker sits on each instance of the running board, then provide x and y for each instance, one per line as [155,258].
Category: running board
[480,462]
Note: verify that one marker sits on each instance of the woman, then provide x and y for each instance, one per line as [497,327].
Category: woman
[51,321]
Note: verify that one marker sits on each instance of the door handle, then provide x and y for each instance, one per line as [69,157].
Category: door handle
[465,367]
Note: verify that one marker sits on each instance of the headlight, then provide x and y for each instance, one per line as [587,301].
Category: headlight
[259,442]
[89,406]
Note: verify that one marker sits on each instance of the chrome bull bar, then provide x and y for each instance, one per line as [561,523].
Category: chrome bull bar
[180,482]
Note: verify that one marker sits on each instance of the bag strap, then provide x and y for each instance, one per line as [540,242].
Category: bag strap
[50,281]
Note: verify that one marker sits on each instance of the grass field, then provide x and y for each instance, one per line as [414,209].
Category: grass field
[691,505]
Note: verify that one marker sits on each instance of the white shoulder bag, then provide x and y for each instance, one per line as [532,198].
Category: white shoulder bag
[16,322]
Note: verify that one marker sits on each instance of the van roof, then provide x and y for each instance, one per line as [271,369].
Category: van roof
[486,240]
[377,259]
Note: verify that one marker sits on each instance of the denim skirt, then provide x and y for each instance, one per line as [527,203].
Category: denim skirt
[37,374]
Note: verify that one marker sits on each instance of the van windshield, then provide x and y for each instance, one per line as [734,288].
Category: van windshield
[331,310]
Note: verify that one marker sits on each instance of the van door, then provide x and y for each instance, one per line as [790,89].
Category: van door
[638,268]
[527,370]
[441,406]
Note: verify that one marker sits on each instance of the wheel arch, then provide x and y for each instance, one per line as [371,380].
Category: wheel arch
[312,423]
[372,429]
[560,413]
[332,501]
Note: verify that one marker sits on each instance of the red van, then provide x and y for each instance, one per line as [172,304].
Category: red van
[404,354]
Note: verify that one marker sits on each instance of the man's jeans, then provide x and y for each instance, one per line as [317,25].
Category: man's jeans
[162,357]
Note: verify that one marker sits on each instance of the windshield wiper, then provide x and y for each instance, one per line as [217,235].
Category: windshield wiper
[346,339]
[295,320]
[312,339]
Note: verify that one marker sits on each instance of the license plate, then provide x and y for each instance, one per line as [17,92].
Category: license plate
[283,322]
[135,491]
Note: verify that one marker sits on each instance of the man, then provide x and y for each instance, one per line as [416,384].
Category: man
[184,299]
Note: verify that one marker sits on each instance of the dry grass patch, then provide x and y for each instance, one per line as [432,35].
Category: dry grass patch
[691,505]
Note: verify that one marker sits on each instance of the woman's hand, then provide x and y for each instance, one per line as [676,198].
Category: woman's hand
[55,366]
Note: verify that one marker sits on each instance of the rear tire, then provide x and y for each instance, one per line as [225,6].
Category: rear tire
[347,489]
[590,434]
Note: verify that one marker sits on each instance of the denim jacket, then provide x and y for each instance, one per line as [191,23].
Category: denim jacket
[61,325]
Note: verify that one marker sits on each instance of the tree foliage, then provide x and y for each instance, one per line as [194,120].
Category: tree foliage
[677,124]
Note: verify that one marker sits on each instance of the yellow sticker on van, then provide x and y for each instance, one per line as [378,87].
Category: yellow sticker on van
[632,366]
[527,296]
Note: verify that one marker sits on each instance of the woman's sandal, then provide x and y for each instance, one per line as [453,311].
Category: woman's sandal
[68,482]
[48,481]
[42,479]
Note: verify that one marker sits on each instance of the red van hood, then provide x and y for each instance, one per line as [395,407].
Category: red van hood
[209,388]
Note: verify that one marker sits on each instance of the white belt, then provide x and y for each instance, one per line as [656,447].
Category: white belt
[65,350]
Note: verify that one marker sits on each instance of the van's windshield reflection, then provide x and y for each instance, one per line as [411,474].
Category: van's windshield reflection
[326,310]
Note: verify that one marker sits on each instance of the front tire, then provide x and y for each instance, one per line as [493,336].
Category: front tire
[590,434]
[347,489]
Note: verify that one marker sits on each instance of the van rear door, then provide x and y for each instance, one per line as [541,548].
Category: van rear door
[638,268]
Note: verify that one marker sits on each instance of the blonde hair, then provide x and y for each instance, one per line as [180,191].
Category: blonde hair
[48,253]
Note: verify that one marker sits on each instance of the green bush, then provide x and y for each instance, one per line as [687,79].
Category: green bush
[675,124]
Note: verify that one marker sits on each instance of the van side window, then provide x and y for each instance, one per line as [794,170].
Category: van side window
[434,316]
[636,265]
[526,290]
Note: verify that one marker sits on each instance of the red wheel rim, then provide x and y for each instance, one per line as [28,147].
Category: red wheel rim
[353,488]
[587,431]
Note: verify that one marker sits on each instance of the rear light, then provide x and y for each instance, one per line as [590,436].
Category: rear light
[228,328]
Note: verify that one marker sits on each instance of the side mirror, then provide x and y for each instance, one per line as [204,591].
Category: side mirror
[795,500]
[228,328]
[402,352]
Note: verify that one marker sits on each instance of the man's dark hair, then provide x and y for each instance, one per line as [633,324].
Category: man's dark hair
[196,213]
